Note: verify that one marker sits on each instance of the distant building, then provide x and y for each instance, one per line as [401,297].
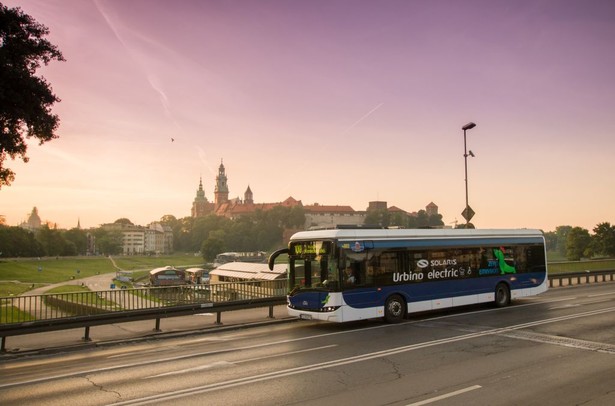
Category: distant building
[246,271]
[431,209]
[316,215]
[201,206]
[323,216]
[34,221]
[377,205]
[138,240]
[231,208]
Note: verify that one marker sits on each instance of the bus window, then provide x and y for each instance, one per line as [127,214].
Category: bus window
[297,274]
[384,264]
[313,274]
[535,256]
[354,269]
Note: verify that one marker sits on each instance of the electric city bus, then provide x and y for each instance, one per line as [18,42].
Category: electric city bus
[352,274]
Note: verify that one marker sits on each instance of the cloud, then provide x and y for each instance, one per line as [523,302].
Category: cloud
[369,113]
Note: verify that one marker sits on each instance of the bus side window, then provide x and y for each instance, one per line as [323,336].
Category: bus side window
[357,265]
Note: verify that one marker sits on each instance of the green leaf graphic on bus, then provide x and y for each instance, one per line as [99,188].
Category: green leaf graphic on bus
[504,267]
[325,300]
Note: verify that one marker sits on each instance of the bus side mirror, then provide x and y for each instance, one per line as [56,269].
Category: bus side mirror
[274,255]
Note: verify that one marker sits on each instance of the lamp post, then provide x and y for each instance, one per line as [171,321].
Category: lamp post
[467,213]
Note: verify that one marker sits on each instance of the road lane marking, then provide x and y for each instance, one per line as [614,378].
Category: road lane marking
[602,294]
[219,364]
[576,343]
[445,396]
[178,394]
[292,340]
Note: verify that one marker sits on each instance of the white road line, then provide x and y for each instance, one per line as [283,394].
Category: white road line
[602,294]
[220,364]
[445,396]
[178,394]
[272,343]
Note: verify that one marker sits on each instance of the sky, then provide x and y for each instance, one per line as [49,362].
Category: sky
[336,102]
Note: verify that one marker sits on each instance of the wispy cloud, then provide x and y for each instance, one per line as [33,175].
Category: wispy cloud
[152,79]
[369,113]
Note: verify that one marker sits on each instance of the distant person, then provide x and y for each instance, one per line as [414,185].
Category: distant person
[350,278]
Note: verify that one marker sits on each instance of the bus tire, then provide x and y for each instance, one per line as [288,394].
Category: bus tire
[394,309]
[502,295]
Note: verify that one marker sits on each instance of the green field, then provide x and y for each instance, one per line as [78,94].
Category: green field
[581,266]
[21,275]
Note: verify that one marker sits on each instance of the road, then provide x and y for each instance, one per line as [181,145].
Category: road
[554,349]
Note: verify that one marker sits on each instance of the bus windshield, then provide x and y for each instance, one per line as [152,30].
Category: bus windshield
[313,265]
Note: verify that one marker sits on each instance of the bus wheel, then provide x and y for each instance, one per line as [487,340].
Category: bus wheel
[502,295]
[394,309]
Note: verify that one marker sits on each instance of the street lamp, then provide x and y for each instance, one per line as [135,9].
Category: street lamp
[467,213]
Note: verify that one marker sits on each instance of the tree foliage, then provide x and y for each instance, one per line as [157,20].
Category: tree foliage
[561,233]
[577,244]
[603,240]
[108,242]
[25,99]
[17,242]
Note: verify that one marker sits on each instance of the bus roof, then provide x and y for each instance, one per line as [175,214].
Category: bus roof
[384,234]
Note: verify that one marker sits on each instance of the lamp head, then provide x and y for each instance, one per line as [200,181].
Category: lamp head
[468,126]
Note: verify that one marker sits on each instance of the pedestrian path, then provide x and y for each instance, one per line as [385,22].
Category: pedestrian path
[113,334]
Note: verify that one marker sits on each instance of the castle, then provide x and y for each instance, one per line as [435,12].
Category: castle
[231,208]
[317,215]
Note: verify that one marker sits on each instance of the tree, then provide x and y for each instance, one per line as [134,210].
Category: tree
[562,238]
[108,242]
[551,240]
[79,238]
[25,99]
[17,242]
[213,245]
[578,244]
[123,221]
[377,217]
[52,240]
[435,220]
[603,240]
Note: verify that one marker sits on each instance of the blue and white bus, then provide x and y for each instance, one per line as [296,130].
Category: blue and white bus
[352,274]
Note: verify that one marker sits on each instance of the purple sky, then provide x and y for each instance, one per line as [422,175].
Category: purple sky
[334,102]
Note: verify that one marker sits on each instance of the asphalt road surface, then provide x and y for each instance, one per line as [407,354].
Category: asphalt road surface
[554,349]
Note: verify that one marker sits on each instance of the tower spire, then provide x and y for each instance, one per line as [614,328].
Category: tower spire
[221,190]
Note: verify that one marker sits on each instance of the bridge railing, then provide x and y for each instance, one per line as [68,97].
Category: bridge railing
[59,311]
[577,278]
[55,306]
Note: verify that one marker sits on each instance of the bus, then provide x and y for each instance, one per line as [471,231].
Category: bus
[342,275]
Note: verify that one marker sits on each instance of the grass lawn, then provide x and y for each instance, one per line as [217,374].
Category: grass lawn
[581,266]
[19,275]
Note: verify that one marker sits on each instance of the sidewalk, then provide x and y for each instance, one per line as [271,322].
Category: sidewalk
[66,340]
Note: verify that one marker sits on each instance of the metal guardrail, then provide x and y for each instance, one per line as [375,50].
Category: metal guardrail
[577,278]
[51,312]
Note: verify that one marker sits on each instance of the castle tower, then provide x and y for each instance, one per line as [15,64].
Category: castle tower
[431,209]
[199,206]
[248,198]
[221,190]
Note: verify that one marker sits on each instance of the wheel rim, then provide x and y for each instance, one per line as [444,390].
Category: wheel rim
[395,308]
